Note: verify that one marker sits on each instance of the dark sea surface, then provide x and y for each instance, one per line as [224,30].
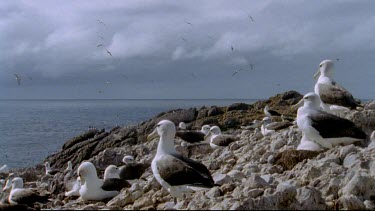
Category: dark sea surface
[30,130]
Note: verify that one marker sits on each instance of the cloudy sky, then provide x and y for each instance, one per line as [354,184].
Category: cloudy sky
[182,49]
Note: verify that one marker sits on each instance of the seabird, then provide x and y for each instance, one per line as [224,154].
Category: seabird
[269,112]
[21,195]
[251,66]
[182,126]
[112,179]
[73,188]
[131,170]
[18,79]
[174,172]
[4,169]
[218,139]
[235,72]
[322,129]
[69,167]
[191,136]
[100,45]
[189,23]
[232,48]
[251,18]
[270,127]
[264,130]
[92,187]
[108,52]
[50,171]
[8,184]
[335,98]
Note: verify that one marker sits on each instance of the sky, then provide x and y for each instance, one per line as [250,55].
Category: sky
[182,49]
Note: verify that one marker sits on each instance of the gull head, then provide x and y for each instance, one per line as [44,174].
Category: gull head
[182,125]
[17,183]
[326,68]
[111,171]
[266,120]
[164,128]
[215,130]
[128,159]
[205,129]
[86,170]
[310,99]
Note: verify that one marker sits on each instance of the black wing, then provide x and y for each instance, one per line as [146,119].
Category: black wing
[132,171]
[331,126]
[115,184]
[278,125]
[177,170]
[337,95]
[191,136]
[223,140]
[29,197]
[274,113]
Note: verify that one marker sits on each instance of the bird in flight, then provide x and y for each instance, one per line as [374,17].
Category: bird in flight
[183,38]
[337,59]
[108,52]
[252,66]
[235,72]
[101,22]
[100,45]
[232,48]
[18,79]
[107,82]
[251,18]
[211,37]
[189,23]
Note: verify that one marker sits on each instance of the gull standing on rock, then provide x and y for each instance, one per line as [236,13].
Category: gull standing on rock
[176,173]
[218,139]
[269,112]
[335,98]
[321,129]
[131,170]
[49,170]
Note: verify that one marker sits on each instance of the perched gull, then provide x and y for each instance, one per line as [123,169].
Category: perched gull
[75,186]
[112,179]
[270,127]
[269,112]
[174,172]
[335,98]
[191,136]
[21,195]
[131,170]
[69,167]
[8,184]
[218,139]
[182,126]
[4,169]
[322,129]
[18,79]
[50,171]
[92,187]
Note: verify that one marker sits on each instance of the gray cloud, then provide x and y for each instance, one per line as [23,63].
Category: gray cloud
[157,54]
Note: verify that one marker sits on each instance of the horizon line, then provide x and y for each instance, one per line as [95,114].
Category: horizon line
[5,99]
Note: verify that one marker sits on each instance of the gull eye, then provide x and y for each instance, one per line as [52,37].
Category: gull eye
[321,65]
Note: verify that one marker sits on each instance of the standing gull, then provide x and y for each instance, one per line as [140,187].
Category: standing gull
[174,172]
[112,180]
[335,98]
[92,187]
[49,170]
[218,139]
[269,112]
[324,130]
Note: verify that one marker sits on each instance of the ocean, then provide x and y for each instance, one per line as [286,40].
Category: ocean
[30,130]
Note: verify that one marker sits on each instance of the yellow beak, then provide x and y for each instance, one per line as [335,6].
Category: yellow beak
[299,104]
[153,135]
[317,74]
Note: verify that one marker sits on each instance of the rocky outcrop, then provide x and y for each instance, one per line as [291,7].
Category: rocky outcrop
[256,172]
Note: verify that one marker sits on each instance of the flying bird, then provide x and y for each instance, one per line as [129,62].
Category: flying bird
[251,18]
[100,45]
[108,52]
[101,22]
[189,23]
[235,72]
[252,66]
[232,48]
[337,59]
[125,76]
[184,39]
[18,79]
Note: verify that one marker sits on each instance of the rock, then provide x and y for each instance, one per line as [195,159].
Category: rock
[351,160]
[213,193]
[226,188]
[351,202]
[344,151]
[238,106]
[142,202]
[255,181]
[310,199]
[289,158]
[221,179]
[214,111]
[247,204]
[123,198]
[268,178]
[236,175]
[288,190]
[360,185]
[369,204]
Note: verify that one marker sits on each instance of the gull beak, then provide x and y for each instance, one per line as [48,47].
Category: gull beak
[317,74]
[299,104]
[153,135]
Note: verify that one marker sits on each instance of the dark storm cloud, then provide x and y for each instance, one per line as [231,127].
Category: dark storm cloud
[182,49]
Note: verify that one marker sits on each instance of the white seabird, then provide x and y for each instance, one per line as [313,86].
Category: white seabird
[69,167]
[335,98]
[131,170]
[218,139]
[21,195]
[93,188]
[174,172]
[269,112]
[182,125]
[263,129]
[49,170]
[321,129]
[269,127]
[191,136]
[74,188]
[4,169]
